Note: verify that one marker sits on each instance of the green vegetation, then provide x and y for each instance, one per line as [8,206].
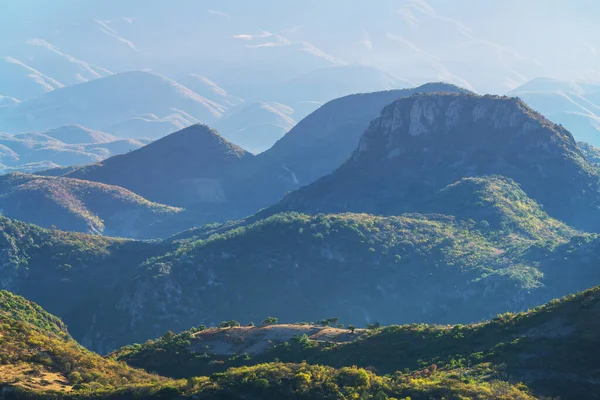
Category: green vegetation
[590,153]
[81,206]
[38,354]
[552,348]
[45,363]
[16,308]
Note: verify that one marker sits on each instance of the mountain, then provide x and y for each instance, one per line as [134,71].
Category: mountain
[210,90]
[504,254]
[557,338]
[184,168]
[324,84]
[151,126]
[20,81]
[64,146]
[77,134]
[65,68]
[257,126]
[80,206]
[590,153]
[574,104]
[39,357]
[422,143]
[330,83]
[317,145]
[104,102]
[45,364]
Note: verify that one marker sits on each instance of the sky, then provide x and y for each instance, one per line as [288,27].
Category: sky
[486,46]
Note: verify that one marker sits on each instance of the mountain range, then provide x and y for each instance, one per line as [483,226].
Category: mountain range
[63,146]
[445,212]
[574,104]
[422,143]
[107,104]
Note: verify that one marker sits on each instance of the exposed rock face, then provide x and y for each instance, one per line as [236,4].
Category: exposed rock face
[423,143]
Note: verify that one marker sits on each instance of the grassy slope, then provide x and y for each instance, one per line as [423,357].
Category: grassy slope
[39,355]
[349,265]
[356,267]
[77,205]
[551,348]
[40,361]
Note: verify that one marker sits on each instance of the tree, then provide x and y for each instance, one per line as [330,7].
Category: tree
[270,321]
[351,328]
[375,325]
[229,324]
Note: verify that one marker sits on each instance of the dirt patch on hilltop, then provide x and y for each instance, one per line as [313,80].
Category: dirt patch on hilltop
[256,340]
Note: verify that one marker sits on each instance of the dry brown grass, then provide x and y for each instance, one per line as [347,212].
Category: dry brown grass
[24,376]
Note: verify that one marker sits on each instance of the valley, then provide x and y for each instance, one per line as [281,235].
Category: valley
[230,200]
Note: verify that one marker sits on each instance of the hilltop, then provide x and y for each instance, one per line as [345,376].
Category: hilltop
[184,168]
[40,363]
[81,206]
[422,143]
[550,348]
[316,146]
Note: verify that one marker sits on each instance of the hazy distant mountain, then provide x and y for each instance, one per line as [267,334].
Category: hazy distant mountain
[151,126]
[82,206]
[102,103]
[185,168]
[210,90]
[77,134]
[64,146]
[325,84]
[424,142]
[317,145]
[257,126]
[333,82]
[20,81]
[576,105]
[63,67]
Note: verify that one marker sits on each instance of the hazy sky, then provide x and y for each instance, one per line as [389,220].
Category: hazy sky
[488,46]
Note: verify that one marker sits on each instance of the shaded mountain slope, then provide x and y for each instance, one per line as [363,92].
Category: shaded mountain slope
[454,270]
[82,206]
[361,268]
[184,168]
[317,145]
[423,143]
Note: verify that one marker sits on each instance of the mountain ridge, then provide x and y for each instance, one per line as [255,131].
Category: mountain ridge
[427,141]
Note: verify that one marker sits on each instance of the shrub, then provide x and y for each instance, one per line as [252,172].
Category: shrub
[270,321]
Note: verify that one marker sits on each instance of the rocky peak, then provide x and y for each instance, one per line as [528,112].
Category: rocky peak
[420,144]
[422,117]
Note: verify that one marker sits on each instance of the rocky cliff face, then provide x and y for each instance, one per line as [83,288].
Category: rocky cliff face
[423,143]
